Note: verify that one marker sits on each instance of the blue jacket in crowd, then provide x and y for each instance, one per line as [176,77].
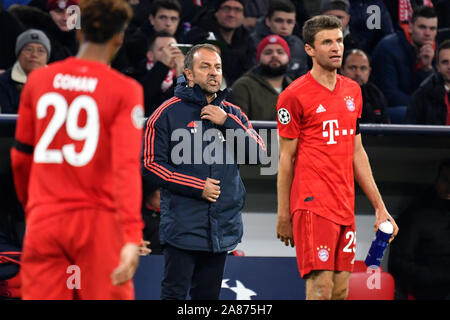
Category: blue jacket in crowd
[394,69]
[180,153]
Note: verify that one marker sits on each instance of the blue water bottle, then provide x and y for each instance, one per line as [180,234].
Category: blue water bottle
[379,245]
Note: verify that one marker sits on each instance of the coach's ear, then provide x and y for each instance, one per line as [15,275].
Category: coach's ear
[189,77]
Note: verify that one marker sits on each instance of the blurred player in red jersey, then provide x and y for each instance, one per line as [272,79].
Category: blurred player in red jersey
[76,165]
[320,156]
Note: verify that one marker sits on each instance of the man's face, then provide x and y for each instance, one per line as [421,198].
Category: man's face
[357,68]
[443,65]
[165,20]
[423,30]
[328,49]
[60,17]
[341,15]
[443,184]
[273,56]
[230,15]
[207,71]
[32,56]
[281,23]
[156,52]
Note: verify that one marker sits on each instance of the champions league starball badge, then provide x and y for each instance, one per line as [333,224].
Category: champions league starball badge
[283,116]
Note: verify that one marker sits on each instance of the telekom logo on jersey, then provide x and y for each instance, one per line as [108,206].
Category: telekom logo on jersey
[331,131]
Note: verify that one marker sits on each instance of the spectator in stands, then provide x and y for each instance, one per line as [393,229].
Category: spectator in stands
[280,20]
[256,92]
[163,64]
[419,257]
[366,34]
[32,52]
[341,10]
[356,66]
[164,17]
[401,61]
[254,10]
[430,103]
[226,22]
[8,39]
[54,23]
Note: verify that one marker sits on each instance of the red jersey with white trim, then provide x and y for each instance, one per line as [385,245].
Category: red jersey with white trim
[324,122]
[84,123]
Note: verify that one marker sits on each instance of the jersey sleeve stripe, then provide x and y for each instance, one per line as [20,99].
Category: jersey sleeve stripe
[23,147]
[156,170]
[161,171]
[250,131]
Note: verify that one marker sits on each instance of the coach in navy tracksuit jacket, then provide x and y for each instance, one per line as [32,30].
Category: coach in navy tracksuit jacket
[180,152]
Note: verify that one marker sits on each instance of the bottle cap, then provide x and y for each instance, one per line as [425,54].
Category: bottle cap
[386,227]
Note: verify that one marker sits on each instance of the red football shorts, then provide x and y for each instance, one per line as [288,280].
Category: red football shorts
[72,256]
[322,244]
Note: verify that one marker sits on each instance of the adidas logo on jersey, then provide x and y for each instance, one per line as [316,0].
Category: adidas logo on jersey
[320,109]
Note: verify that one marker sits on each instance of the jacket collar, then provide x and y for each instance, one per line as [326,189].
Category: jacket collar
[195,94]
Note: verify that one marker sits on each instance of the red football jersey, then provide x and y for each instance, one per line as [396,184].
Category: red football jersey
[324,122]
[84,122]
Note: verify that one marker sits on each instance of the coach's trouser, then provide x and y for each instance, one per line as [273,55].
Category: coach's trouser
[200,271]
[72,256]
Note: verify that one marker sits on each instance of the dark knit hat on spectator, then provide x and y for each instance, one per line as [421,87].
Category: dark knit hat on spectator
[61,4]
[32,36]
[272,39]
[327,5]
[218,3]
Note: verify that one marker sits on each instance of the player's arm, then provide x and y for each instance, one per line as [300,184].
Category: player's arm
[23,146]
[126,137]
[364,177]
[288,151]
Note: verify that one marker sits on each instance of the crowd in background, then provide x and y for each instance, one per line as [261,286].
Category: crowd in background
[390,50]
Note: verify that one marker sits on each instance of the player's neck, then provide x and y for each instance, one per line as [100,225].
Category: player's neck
[327,78]
[94,52]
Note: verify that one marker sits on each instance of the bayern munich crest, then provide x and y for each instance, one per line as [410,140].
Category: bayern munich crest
[350,103]
[284,116]
[323,252]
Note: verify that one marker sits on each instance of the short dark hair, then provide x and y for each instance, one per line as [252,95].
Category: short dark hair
[354,51]
[280,5]
[317,24]
[102,19]
[156,35]
[189,59]
[165,4]
[444,45]
[424,12]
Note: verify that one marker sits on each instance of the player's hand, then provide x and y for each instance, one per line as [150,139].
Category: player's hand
[211,191]
[284,230]
[144,249]
[426,55]
[214,114]
[381,216]
[129,260]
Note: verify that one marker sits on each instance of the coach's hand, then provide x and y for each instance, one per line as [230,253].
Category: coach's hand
[284,230]
[211,191]
[129,260]
[214,114]
[382,215]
